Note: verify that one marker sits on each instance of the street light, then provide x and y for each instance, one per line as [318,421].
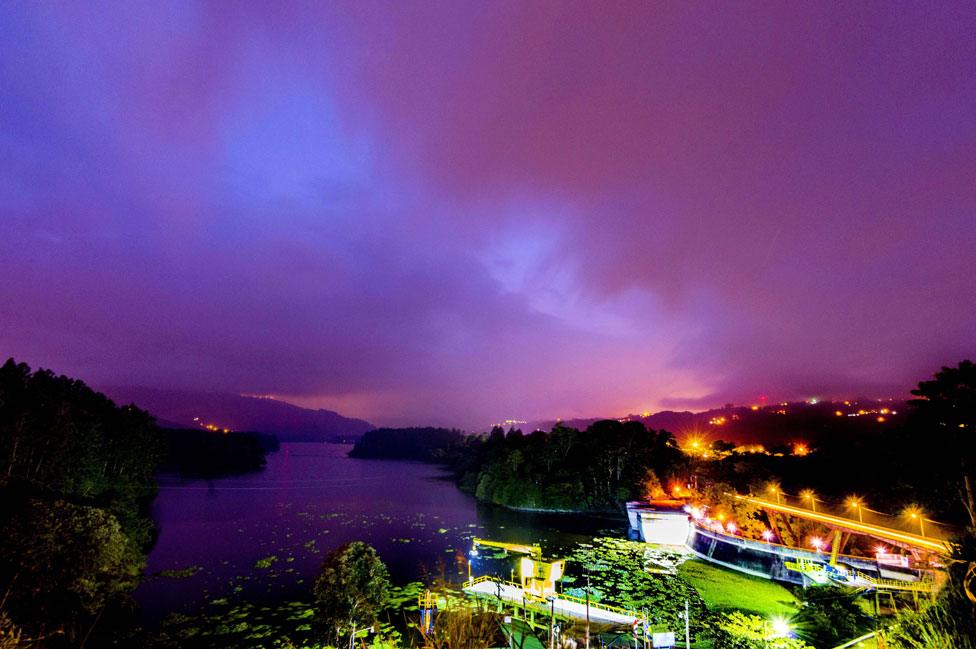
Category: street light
[774,489]
[780,627]
[807,494]
[915,513]
[855,503]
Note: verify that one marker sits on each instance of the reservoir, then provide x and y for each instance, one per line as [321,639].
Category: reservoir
[263,535]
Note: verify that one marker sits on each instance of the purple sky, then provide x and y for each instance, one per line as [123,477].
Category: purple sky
[460,212]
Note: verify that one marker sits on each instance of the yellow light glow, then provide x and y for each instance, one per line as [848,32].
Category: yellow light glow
[846,523]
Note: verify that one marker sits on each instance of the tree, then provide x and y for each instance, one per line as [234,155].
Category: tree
[65,564]
[352,589]
[950,621]
[652,487]
[946,409]
[830,615]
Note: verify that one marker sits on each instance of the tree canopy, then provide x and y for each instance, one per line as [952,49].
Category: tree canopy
[76,476]
[352,588]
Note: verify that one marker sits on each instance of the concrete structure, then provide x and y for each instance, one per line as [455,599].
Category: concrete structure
[664,522]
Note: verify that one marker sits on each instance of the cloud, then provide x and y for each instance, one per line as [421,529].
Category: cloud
[459,214]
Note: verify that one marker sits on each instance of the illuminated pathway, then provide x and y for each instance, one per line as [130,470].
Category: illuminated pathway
[899,537]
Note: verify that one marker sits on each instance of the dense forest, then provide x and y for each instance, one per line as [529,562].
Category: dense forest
[76,476]
[204,453]
[424,444]
[562,470]
[924,457]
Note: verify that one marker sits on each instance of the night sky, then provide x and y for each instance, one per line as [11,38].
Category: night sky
[457,213]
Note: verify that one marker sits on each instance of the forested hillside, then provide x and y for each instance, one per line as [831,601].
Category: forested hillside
[76,476]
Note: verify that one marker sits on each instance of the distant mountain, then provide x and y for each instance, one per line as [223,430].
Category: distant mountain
[771,425]
[289,422]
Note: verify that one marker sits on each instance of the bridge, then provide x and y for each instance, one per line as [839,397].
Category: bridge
[559,605]
[931,543]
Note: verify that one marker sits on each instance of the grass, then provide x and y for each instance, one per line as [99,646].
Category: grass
[726,590]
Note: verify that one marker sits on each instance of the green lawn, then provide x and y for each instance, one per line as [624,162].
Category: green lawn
[724,590]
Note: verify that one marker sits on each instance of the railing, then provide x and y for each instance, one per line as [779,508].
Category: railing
[923,586]
[599,605]
[541,600]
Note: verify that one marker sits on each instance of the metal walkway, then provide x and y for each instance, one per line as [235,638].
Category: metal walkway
[563,606]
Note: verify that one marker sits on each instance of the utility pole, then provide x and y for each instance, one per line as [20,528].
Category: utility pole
[587,607]
[552,622]
[644,625]
[687,626]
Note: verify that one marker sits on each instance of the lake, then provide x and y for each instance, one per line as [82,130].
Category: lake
[263,535]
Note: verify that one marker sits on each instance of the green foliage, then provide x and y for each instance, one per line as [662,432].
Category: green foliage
[735,630]
[249,625]
[76,476]
[352,588]
[726,590]
[830,615]
[58,435]
[266,562]
[946,409]
[206,453]
[65,563]
[567,469]
[637,576]
[950,622]
[424,444]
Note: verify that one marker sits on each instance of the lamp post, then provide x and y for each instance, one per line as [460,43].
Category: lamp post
[856,503]
[915,513]
[807,494]
[921,523]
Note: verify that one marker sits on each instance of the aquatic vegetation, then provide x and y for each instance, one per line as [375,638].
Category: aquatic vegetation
[247,625]
[266,562]
[179,573]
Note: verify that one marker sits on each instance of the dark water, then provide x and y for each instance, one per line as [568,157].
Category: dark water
[310,499]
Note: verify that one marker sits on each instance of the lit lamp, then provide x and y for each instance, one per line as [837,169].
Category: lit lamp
[807,494]
[774,489]
[915,513]
[855,503]
[779,628]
